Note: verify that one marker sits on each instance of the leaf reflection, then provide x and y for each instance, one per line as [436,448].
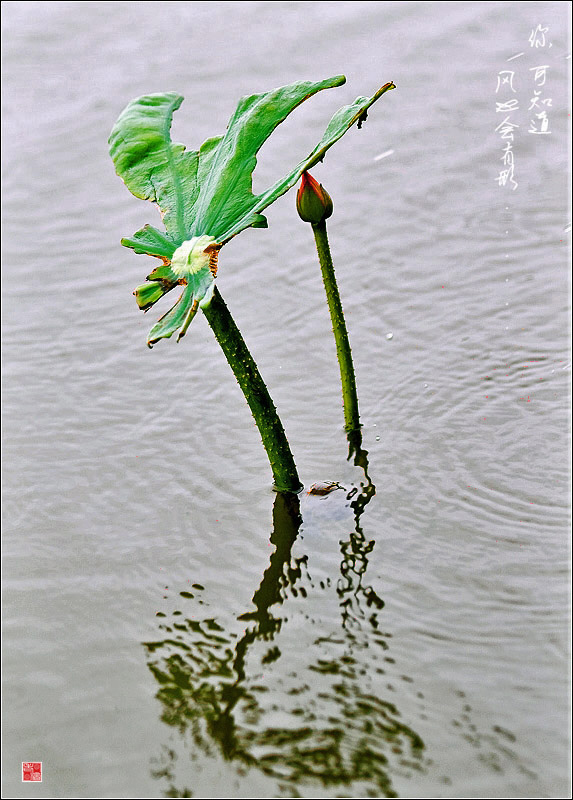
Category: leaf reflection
[232,692]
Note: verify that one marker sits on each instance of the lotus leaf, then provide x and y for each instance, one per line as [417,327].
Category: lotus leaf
[205,196]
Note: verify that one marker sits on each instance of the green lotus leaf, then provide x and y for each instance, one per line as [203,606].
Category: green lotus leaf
[208,193]
[164,274]
[198,290]
[169,323]
[151,241]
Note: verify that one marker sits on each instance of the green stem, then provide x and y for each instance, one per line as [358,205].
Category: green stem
[349,396]
[256,394]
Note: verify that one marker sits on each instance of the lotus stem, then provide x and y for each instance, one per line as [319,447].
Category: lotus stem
[349,396]
[256,394]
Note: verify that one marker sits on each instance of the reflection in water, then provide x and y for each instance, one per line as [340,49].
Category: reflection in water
[321,724]
[355,550]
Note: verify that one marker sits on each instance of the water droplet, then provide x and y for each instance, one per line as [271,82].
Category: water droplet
[389,336]
[506,280]
[377,438]
[507,304]
[425,386]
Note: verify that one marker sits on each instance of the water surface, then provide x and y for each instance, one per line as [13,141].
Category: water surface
[172,626]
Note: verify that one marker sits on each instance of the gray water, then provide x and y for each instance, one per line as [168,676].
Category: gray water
[171,625]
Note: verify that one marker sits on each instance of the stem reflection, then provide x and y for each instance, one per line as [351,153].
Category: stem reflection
[307,713]
[355,550]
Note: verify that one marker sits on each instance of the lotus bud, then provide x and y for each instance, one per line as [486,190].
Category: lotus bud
[313,202]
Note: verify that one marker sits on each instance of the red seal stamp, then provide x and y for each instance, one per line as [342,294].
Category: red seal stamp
[32,771]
